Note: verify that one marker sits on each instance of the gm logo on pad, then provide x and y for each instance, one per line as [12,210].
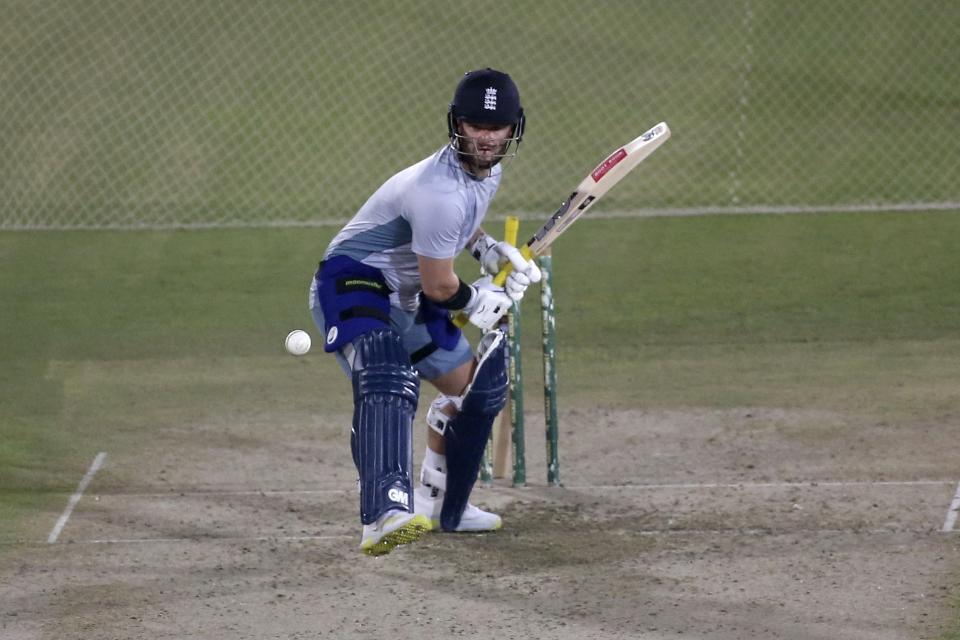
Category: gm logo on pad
[396,494]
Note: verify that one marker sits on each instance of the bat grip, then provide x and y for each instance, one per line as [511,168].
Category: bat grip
[501,276]
[510,230]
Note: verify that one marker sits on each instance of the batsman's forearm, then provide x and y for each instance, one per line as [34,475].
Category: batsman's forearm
[442,289]
[460,299]
[438,280]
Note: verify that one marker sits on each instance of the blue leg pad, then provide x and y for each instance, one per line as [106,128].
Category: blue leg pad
[385,394]
[467,433]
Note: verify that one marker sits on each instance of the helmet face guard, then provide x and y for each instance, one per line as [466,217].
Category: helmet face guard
[461,143]
[486,96]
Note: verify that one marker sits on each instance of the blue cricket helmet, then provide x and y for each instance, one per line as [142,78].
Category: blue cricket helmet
[486,96]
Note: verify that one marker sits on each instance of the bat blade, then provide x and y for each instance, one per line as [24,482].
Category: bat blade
[608,173]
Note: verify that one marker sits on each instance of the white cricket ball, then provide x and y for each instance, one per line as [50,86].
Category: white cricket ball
[297,342]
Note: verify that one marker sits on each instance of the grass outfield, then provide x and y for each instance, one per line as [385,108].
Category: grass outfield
[113,338]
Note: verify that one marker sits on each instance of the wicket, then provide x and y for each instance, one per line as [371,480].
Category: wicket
[510,428]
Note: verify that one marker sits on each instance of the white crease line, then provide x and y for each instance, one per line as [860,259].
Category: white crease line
[75,498]
[230,492]
[342,536]
[952,512]
[577,487]
[764,485]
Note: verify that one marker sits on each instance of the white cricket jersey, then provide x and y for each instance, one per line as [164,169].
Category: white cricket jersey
[429,209]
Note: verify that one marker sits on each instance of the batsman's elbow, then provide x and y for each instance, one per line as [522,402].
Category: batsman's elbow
[440,291]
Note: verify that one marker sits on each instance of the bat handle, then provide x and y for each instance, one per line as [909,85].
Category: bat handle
[510,230]
[501,277]
[460,320]
[511,227]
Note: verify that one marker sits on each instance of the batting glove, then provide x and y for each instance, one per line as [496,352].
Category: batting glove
[487,305]
[484,249]
[525,272]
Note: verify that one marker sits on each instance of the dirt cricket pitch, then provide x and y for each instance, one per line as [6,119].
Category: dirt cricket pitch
[734,524]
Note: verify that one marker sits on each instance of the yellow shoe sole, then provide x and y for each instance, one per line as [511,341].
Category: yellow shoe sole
[411,531]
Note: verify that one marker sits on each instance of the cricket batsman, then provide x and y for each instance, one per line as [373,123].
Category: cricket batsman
[383,296]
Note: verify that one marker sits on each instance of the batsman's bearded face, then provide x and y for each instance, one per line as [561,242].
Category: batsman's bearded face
[483,145]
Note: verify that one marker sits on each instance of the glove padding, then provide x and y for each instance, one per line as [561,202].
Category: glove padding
[486,253]
[488,304]
[525,272]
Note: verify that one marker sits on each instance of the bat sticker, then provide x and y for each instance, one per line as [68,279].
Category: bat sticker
[587,203]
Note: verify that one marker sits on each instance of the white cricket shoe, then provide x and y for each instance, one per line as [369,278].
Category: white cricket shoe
[392,529]
[474,518]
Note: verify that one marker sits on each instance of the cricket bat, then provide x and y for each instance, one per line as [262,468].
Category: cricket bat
[608,173]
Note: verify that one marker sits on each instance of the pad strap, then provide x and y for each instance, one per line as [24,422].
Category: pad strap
[434,478]
[436,418]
